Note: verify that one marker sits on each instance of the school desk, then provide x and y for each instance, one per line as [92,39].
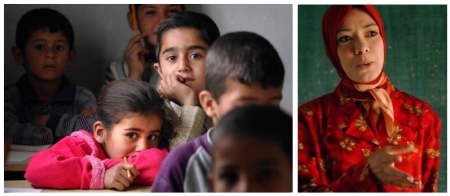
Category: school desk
[24,186]
[19,156]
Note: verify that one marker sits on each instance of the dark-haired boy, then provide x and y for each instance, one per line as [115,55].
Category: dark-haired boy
[252,151]
[242,68]
[43,106]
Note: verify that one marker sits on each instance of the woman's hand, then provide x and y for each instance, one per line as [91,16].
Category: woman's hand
[116,177]
[135,57]
[381,163]
[172,88]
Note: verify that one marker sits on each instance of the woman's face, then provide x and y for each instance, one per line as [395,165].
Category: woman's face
[360,47]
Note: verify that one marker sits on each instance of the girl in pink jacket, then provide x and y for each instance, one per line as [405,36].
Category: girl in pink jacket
[131,122]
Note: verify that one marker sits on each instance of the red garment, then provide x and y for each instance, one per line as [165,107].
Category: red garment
[335,141]
[79,162]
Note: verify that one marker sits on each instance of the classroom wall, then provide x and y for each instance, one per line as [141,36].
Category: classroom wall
[416,58]
[102,33]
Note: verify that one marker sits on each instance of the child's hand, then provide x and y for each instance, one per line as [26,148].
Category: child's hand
[116,177]
[89,112]
[41,120]
[135,57]
[172,88]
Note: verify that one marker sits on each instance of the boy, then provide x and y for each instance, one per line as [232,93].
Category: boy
[43,106]
[140,51]
[182,44]
[242,68]
[252,151]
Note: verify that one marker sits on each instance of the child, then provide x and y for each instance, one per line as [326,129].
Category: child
[252,151]
[43,106]
[182,44]
[140,51]
[131,123]
[242,68]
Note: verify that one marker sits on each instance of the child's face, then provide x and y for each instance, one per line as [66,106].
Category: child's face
[249,165]
[360,47]
[183,54]
[46,55]
[134,133]
[238,94]
[150,17]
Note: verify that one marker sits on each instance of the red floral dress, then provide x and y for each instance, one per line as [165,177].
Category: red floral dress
[334,141]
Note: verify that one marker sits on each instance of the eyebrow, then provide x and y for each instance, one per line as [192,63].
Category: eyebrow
[140,130]
[194,47]
[365,27]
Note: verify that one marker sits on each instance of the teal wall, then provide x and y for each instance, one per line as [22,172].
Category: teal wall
[416,58]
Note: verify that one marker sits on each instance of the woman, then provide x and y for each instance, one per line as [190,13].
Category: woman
[366,135]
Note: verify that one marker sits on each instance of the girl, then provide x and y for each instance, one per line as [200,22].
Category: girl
[131,123]
[366,135]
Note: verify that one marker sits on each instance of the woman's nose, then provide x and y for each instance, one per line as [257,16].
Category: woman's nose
[361,46]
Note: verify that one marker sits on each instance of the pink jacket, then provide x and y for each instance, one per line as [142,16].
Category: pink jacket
[79,162]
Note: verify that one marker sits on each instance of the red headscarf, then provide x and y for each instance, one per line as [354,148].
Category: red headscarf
[331,22]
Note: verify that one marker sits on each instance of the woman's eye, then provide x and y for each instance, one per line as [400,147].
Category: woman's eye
[153,137]
[132,135]
[344,39]
[373,33]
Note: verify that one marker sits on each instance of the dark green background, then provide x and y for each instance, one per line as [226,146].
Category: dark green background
[416,58]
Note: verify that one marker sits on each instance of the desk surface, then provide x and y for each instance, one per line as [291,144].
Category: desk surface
[19,156]
[24,186]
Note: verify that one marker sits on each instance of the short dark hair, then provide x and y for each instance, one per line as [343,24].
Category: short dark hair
[39,19]
[262,122]
[122,97]
[243,56]
[206,27]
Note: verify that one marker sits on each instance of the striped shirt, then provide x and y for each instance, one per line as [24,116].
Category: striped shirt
[22,104]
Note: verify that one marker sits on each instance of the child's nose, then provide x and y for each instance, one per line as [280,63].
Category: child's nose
[142,145]
[183,64]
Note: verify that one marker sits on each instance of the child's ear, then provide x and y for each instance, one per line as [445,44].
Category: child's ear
[99,132]
[18,55]
[157,67]
[208,104]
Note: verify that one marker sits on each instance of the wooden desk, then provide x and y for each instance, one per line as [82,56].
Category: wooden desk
[24,186]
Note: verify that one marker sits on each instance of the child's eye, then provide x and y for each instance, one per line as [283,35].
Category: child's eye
[344,39]
[153,137]
[266,175]
[196,56]
[60,48]
[39,47]
[173,11]
[150,13]
[171,58]
[132,135]
[229,178]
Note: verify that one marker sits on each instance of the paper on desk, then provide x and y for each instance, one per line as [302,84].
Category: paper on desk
[18,156]
[28,148]
[22,190]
